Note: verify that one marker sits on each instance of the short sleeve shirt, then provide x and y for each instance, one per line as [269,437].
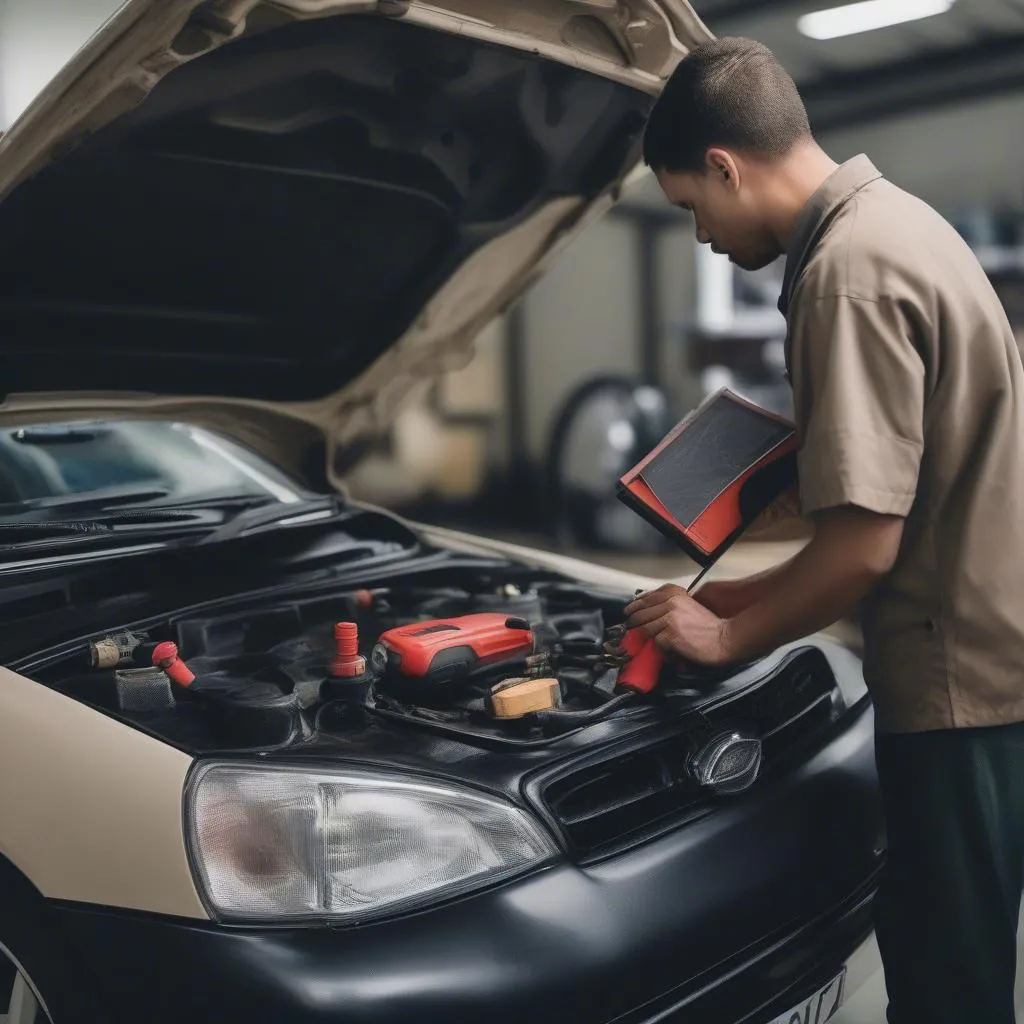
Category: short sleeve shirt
[908,392]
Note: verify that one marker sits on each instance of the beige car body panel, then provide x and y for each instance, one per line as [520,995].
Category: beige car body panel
[92,809]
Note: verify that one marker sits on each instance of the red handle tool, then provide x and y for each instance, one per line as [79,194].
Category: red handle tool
[643,669]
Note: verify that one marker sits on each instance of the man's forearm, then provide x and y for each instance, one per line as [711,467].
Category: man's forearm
[728,598]
[760,583]
[816,588]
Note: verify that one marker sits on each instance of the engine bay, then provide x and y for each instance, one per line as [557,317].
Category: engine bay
[488,662]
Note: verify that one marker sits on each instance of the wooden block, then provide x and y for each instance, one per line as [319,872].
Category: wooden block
[513,699]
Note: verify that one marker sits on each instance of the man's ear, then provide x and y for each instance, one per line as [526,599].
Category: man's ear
[721,165]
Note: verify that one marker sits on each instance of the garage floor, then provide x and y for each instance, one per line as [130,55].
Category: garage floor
[865,1002]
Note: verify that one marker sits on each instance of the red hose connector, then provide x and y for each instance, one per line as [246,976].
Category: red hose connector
[348,662]
[165,657]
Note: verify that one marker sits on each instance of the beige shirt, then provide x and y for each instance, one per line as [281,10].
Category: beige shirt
[909,398]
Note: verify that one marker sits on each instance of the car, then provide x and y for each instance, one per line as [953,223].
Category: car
[273,754]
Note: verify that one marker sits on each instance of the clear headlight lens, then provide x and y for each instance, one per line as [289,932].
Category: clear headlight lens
[277,843]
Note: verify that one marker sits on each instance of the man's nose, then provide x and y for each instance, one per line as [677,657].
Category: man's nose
[702,236]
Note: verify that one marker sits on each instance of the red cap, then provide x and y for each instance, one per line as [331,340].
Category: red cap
[165,656]
[346,637]
[348,662]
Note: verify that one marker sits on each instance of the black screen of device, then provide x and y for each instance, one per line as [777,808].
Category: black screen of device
[721,444]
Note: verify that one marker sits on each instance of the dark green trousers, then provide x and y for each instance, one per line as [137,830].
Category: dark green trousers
[946,918]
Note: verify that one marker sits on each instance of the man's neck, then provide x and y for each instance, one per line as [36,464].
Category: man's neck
[792,184]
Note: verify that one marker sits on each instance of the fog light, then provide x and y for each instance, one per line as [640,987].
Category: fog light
[728,764]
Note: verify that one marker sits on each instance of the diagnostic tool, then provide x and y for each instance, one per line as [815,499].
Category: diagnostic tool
[430,660]
[713,475]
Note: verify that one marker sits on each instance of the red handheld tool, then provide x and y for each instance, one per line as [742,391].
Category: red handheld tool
[437,655]
[645,661]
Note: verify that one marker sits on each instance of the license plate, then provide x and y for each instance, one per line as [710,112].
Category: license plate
[818,1008]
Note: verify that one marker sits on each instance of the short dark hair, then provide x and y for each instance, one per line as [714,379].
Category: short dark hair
[729,92]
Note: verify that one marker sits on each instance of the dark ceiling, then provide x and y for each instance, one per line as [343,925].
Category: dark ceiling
[974,50]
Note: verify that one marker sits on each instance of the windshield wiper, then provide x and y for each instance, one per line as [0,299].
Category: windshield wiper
[106,527]
[112,501]
[277,515]
[9,532]
[108,497]
[209,522]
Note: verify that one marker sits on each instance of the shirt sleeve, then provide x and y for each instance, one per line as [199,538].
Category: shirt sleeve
[858,395]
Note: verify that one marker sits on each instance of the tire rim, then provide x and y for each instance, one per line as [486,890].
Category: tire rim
[24,1005]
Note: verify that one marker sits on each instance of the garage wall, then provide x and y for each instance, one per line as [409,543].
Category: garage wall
[677,284]
[584,317]
[580,320]
[37,38]
[958,159]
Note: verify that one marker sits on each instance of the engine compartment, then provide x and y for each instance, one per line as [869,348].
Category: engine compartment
[262,677]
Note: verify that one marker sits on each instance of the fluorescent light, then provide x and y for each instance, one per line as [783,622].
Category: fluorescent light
[868,15]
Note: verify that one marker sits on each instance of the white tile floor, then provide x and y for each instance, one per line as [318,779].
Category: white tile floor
[865,1003]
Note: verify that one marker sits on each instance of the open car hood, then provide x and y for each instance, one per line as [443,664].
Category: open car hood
[277,219]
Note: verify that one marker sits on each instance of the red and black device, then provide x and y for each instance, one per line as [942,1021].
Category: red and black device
[713,474]
[429,662]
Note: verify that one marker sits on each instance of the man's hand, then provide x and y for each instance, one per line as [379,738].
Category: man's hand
[851,550]
[680,625]
[724,599]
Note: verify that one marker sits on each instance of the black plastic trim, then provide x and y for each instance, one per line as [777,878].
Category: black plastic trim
[535,785]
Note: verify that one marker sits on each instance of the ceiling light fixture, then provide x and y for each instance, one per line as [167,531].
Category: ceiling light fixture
[867,16]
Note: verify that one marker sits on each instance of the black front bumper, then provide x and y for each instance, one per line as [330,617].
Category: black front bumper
[732,918]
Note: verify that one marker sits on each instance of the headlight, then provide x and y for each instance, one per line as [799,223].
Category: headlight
[286,844]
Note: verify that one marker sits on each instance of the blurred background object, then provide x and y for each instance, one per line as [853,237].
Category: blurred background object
[605,427]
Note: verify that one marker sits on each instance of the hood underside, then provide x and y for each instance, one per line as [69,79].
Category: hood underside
[311,219]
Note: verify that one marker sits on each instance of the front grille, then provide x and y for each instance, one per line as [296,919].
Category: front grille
[787,710]
[606,805]
[624,797]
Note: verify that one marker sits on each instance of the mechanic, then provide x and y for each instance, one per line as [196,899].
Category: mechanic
[908,395]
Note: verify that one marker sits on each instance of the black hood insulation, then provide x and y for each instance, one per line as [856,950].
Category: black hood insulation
[276,213]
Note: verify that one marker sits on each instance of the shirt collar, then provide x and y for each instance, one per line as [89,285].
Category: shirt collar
[844,182]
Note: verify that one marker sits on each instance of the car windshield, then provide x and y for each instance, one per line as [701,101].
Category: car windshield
[67,464]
